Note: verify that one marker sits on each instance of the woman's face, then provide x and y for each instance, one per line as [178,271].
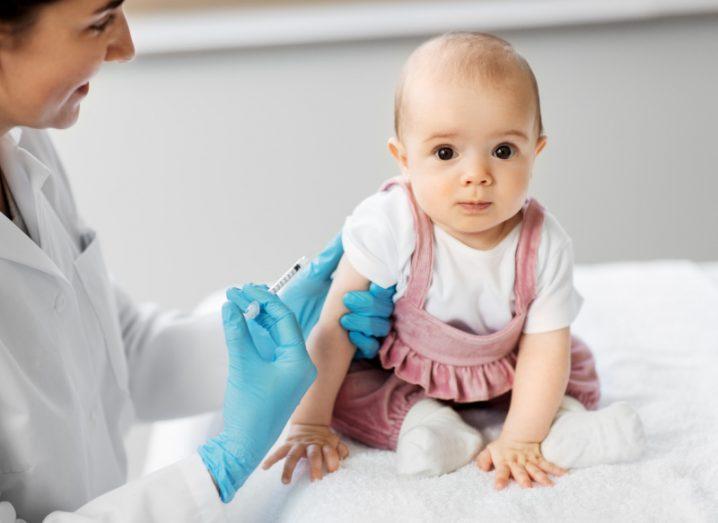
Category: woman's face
[45,71]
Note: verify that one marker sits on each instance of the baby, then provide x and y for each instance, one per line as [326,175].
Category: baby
[485,295]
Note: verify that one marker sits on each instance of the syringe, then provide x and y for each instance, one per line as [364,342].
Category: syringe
[254,307]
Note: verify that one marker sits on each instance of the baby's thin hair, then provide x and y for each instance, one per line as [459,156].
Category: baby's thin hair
[469,56]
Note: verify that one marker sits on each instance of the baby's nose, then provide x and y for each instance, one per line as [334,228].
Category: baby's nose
[478,175]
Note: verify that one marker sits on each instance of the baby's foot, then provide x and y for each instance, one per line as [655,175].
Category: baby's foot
[582,438]
[435,440]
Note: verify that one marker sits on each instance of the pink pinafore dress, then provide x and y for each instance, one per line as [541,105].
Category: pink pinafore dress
[424,357]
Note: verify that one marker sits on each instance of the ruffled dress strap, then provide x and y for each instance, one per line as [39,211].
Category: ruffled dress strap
[422,260]
[527,255]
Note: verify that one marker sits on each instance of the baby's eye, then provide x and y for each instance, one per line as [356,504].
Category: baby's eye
[503,151]
[445,153]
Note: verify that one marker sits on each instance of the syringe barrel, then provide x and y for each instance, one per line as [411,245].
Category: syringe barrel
[287,276]
[254,308]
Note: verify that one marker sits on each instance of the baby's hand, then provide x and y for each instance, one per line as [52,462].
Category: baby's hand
[317,443]
[521,460]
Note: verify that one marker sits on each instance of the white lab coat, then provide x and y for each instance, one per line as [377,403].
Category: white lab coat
[79,361]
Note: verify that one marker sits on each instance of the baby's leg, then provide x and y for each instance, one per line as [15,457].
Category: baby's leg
[582,438]
[435,440]
[372,404]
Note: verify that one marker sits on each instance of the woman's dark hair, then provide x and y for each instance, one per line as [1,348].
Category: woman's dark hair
[16,16]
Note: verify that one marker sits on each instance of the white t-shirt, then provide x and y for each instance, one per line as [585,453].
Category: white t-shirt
[471,289]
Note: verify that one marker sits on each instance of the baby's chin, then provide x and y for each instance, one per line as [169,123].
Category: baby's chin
[484,232]
[468,228]
[472,223]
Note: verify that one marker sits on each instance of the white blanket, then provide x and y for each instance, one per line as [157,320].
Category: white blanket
[654,330]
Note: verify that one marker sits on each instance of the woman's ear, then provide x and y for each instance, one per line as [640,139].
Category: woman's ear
[396,148]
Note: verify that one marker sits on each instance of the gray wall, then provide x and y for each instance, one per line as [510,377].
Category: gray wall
[202,170]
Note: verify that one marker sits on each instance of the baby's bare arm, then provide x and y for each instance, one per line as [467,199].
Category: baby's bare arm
[309,436]
[542,371]
[330,349]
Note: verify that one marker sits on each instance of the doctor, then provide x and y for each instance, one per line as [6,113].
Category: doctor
[79,360]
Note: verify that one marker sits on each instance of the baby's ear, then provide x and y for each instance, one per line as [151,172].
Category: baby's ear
[397,150]
[540,144]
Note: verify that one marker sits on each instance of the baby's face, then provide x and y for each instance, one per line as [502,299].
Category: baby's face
[469,150]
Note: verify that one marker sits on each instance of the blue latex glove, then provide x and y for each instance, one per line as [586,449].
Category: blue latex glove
[369,319]
[370,311]
[262,392]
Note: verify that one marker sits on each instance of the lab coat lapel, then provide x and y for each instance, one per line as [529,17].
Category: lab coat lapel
[17,247]
[26,176]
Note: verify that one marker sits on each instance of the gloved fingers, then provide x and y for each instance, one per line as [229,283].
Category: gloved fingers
[367,347]
[275,317]
[316,462]
[278,455]
[236,333]
[295,454]
[262,340]
[331,458]
[236,296]
[324,265]
[364,303]
[367,325]
[383,294]
[272,307]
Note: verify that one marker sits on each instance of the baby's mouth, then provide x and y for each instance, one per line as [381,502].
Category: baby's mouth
[474,206]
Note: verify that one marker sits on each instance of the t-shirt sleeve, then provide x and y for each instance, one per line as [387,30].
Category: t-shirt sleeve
[557,302]
[378,237]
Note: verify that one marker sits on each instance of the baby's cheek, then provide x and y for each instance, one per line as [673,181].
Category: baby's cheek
[432,200]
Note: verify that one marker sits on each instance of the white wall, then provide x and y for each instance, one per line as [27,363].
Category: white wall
[201,170]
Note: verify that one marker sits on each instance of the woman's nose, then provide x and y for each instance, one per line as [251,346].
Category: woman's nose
[122,48]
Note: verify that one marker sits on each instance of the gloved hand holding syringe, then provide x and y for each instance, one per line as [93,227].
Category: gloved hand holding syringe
[269,369]
[254,308]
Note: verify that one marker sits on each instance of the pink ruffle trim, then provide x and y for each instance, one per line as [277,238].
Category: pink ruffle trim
[462,384]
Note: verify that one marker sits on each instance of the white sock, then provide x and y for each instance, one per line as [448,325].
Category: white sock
[435,440]
[583,438]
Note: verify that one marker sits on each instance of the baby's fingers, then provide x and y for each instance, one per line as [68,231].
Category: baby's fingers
[277,455]
[538,475]
[297,453]
[503,473]
[343,450]
[484,460]
[331,458]
[520,475]
[549,467]
[316,463]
